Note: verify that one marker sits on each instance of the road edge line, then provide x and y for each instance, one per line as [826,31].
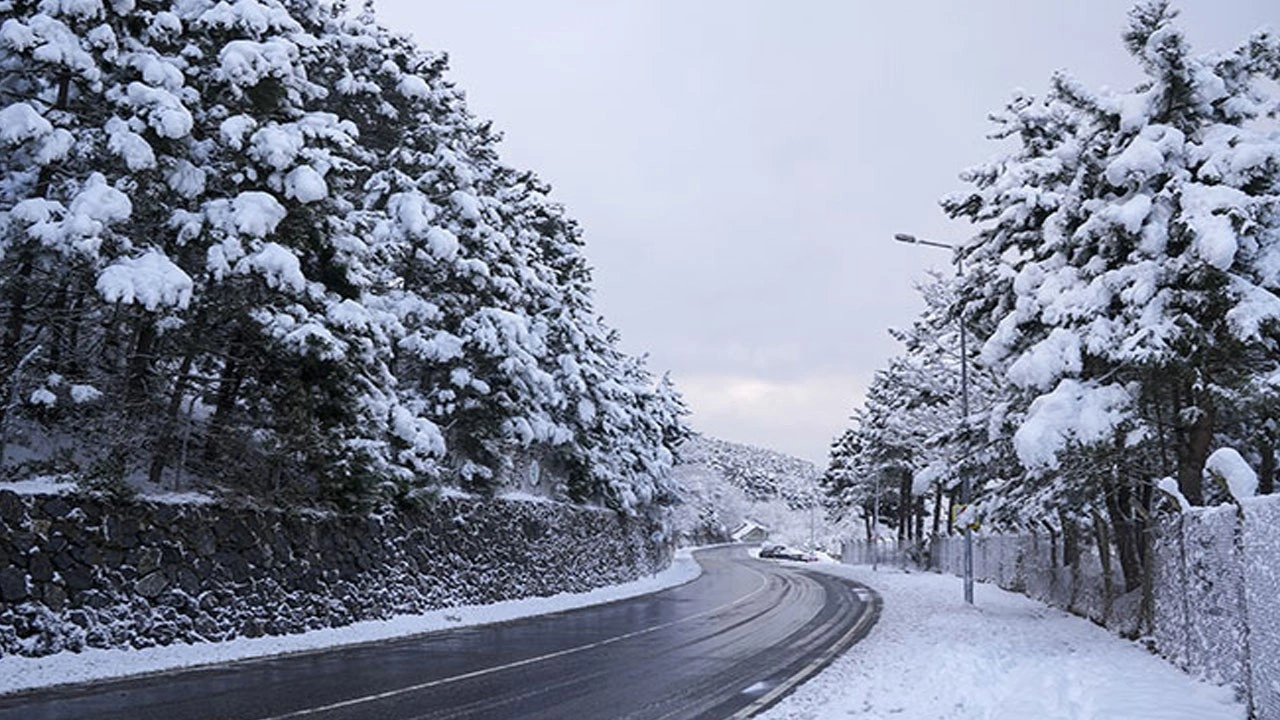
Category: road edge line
[870,616]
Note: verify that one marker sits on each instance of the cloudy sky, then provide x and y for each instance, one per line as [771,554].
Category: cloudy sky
[740,166]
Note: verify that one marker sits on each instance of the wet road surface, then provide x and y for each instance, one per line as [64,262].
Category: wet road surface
[726,645]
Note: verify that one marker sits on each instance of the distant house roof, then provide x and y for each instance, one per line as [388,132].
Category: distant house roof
[748,529]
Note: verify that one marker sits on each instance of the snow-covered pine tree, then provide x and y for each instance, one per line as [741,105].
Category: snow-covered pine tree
[841,481]
[272,232]
[95,135]
[297,366]
[910,433]
[1129,256]
[499,326]
[463,234]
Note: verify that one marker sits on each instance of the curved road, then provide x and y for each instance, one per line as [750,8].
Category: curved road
[726,645]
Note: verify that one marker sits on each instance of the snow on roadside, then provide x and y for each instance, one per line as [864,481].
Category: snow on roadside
[48,485]
[21,673]
[190,497]
[930,657]
[66,485]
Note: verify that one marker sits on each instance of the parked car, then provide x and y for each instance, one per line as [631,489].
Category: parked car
[782,552]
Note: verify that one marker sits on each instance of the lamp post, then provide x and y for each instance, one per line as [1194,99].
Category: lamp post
[813,500]
[875,527]
[965,488]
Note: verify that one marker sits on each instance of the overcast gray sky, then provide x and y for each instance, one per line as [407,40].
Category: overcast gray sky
[740,166]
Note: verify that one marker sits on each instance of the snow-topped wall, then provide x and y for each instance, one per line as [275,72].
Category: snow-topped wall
[1215,578]
[80,572]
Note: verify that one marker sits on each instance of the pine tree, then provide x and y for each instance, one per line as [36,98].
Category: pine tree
[1127,256]
[270,236]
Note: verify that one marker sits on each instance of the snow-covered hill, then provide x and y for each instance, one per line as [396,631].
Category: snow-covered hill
[721,484]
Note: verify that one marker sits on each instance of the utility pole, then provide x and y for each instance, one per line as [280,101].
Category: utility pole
[965,486]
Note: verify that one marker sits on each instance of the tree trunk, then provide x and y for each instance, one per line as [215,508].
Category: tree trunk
[1193,452]
[1053,543]
[228,392]
[1119,508]
[919,505]
[164,444]
[73,354]
[951,511]
[904,507]
[1071,557]
[1104,555]
[140,361]
[12,356]
[17,313]
[1070,541]
[1267,469]
[937,507]
[1146,541]
[57,338]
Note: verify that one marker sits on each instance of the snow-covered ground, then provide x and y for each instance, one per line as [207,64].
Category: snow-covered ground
[931,657]
[20,673]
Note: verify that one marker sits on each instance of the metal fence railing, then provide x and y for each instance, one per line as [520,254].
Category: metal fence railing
[884,552]
[1210,604]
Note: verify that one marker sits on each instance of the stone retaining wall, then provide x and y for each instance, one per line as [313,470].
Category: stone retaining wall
[80,572]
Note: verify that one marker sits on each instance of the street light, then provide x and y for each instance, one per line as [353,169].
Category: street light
[965,489]
[875,527]
[813,500]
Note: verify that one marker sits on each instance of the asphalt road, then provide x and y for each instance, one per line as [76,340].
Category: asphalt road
[726,645]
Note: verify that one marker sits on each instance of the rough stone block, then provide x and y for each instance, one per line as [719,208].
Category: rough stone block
[152,584]
[13,585]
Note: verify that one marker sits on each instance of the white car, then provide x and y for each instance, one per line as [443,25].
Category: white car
[782,552]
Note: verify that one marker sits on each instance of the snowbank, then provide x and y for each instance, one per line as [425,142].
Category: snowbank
[1214,580]
[931,657]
